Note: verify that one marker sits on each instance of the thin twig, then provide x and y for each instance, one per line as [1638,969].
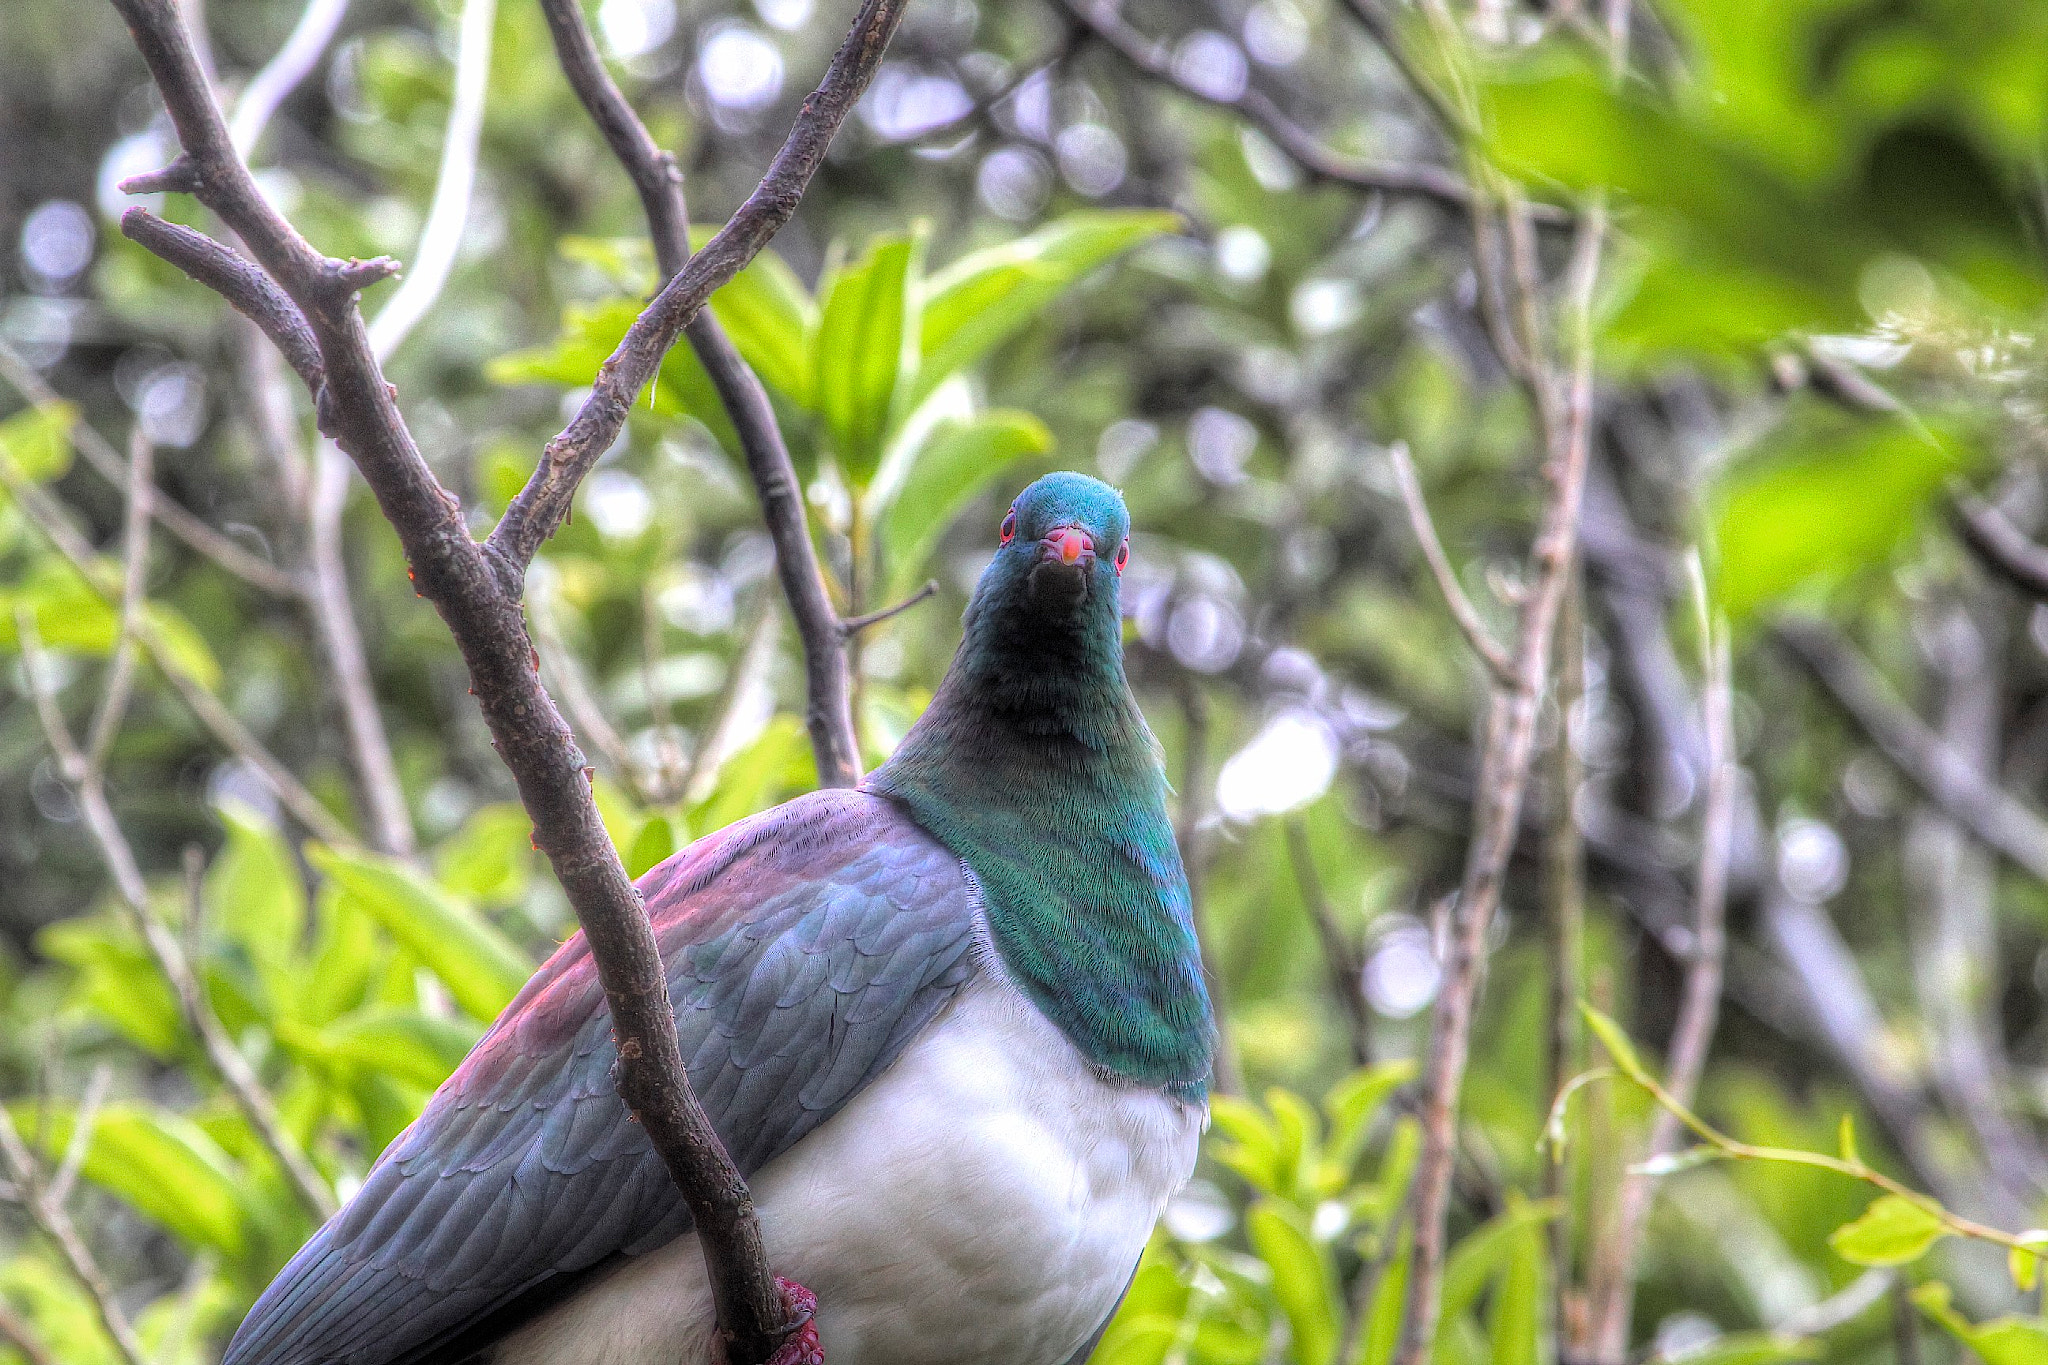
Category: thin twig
[1321,162]
[1342,961]
[2000,546]
[82,1128]
[1945,777]
[169,955]
[1700,1003]
[245,287]
[56,1224]
[281,75]
[544,502]
[1564,940]
[108,464]
[853,625]
[15,1332]
[1503,779]
[828,712]
[46,517]
[1462,611]
[106,722]
[476,589]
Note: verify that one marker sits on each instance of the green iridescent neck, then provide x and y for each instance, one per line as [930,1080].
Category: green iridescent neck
[1034,764]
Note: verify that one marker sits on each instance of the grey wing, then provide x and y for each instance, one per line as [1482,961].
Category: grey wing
[805,949]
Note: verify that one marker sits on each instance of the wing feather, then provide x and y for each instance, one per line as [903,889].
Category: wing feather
[805,948]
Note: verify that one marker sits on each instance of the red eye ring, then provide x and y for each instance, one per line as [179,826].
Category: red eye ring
[1123,554]
[1009,530]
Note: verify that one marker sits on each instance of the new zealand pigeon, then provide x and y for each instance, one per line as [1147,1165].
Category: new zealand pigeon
[951,1026]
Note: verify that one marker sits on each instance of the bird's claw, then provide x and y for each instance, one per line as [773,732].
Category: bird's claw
[801,1346]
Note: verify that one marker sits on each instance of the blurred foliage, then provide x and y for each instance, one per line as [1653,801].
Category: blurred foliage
[1821,312]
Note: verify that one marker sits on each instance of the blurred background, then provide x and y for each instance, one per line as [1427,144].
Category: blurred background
[1213,252]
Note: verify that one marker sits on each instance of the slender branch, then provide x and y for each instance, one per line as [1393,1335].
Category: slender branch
[283,73]
[1321,162]
[1341,960]
[1503,779]
[56,1224]
[45,516]
[448,211]
[164,949]
[476,589]
[82,1128]
[1613,1291]
[246,288]
[1462,611]
[2000,546]
[828,684]
[106,722]
[15,1332]
[109,465]
[1945,777]
[544,502]
[1564,941]
[853,625]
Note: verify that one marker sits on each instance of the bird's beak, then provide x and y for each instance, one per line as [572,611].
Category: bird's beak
[1066,545]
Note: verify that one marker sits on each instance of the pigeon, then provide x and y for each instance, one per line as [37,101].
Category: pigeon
[951,1025]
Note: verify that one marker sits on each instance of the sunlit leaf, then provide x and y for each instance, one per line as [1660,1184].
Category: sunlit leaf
[859,354]
[1303,1281]
[1892,1231]
[37,441]
[1614,1039]
[985,297]
[253,892]
[2001,1341]
[481,968]
[159,1164]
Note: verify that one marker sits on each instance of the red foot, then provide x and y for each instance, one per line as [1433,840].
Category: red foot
[801,1346]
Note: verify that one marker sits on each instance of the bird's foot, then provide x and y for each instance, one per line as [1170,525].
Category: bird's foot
[801,1346]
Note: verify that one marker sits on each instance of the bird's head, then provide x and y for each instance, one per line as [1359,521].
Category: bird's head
[1060,551]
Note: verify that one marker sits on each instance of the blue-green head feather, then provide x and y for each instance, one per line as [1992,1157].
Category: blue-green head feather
[1034,765]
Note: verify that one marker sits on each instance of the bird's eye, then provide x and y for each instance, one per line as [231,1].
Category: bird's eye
[1123,554]
[1009,531]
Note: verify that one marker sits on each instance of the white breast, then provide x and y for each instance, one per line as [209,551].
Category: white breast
[981,1203]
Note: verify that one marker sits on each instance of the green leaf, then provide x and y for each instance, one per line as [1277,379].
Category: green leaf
[253,892]
[1845,1139]
[1352,1102]
[182,644]
[1826,505]
[481,968]
[1755,1348]
[2024,1261]
[952,466]
[987,296]
[1515,1323]
[118,984]
[859,353]
[2002,1341]
[1892,1231]
[1483,1254]
[656,840]
[1303,1281]
[491,857]
[38,442]
[1383,1318]
[1615,1041]
[404,1044]
[160,1164]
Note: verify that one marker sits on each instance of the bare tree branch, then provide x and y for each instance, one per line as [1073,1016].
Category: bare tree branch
[476,589]
[1945,777]
[1341,958]
[169,955]
[828,684]
[854,625]
[281,75]
[56,1224]
[1496,818]
[1462,611]
[135,555]
[541,505]
[109,465]
[246,288]
[1613,1288]
[2000,546]
[1320,161]
[15,1332]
